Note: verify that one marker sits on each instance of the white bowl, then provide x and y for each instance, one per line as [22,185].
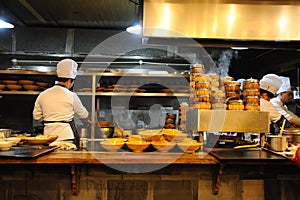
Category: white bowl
[5,145]
[13,140]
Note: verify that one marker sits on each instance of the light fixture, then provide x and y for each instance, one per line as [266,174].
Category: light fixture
[4,24]
[239,48]
[136,29]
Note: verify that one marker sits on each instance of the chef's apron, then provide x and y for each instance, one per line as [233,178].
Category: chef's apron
[73,127]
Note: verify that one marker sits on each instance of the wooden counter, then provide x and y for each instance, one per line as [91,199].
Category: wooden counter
[86,157]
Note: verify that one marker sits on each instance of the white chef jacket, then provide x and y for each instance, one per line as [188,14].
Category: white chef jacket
[269,107]
[58,104]
[282,109]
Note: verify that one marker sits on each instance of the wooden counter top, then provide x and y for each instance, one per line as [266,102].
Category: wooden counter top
[82,157]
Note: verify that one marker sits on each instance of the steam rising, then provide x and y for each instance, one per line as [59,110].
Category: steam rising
[224,61]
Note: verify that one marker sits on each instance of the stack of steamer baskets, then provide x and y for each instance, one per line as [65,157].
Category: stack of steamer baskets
[206,91]
[251,94]
[209,91]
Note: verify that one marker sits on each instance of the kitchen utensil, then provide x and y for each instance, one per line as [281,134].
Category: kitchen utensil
[276,142]
[282,127]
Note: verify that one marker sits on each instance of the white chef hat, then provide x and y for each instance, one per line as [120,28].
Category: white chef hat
[271,83]
[67,68]
[286,86]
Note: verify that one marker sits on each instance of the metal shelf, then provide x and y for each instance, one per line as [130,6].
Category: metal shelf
[142,94]
[19,92]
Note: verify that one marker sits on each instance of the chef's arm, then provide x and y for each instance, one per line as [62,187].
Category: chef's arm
[295,121]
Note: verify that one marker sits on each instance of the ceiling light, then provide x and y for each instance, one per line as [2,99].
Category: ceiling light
[137,29]
[4,24]
[239,48]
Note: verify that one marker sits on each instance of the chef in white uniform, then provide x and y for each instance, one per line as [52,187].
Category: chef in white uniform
[284,95]
[56,106]
[269,85]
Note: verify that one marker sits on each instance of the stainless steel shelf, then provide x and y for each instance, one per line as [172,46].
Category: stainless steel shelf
[19,92]
[142,94]
[25,72]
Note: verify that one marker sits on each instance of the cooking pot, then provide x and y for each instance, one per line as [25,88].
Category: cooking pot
[277,143]
[5,133]
[293,135]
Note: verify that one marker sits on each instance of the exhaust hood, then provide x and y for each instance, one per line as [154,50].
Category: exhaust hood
[236,20]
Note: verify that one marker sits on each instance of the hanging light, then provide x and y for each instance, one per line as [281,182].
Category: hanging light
[4,24]
[136,27]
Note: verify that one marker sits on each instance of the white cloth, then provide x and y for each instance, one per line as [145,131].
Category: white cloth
[282,109]
[67,68]
[58,104]
[267,106]
[286,85]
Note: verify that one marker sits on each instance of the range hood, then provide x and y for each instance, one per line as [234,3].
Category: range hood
[217,20]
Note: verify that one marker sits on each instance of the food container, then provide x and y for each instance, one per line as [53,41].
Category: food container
[202,92]
[251,92]
[293,136]
[203,98]
[5,133]
[251,83]
[236,105]
[233,95]
[232,87]
[202,84]
[252,106]
[251,99]
[277,143]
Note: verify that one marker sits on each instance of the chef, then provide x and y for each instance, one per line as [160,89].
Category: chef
[56,106]
[269,85]
[284,95]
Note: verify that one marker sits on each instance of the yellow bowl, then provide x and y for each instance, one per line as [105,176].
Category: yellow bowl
[112,144]
[150,135]
[2,87]
[138,146]
[14,87]
[13,140]
[5,145]
[189,147]
[37,140]
[163,145]
[31,87]
[175,137]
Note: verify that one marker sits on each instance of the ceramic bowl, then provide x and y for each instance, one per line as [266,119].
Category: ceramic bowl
[10,82]
[13,140]
[37,140]
[163,145]
[42,84]
[112,144]
[2,87]
[137,146]
[25,82]
[5,145]
[189,147]
[150,135]
[175,137]
[31,87]
[14,87]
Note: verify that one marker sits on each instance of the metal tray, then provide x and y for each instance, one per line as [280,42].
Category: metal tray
[244,154]
[27,151]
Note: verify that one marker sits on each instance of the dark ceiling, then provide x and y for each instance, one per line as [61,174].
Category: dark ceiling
[262,57]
